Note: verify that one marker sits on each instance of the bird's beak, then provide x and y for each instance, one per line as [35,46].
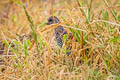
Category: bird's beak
[46,23]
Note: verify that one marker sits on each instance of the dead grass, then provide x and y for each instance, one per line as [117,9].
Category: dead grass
[97,57]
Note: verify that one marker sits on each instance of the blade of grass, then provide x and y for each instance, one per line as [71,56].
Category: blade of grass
[112,11]
[87,16]
[32,27]
[25,48]
[9,46]
[78,34]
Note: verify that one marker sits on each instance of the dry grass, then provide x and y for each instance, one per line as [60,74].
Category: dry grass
[95,57]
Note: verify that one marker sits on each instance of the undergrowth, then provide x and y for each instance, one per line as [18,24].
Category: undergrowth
[30,49]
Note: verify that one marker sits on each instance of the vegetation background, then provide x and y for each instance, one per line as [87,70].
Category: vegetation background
[28,50]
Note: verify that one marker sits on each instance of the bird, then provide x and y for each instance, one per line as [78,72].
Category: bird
[59,33]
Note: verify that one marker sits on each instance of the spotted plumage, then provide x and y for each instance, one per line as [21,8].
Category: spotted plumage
[59,32]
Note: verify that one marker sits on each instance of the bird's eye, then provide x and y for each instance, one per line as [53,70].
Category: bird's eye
[50,20]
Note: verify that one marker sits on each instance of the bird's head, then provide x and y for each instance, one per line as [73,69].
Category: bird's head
[53,20]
